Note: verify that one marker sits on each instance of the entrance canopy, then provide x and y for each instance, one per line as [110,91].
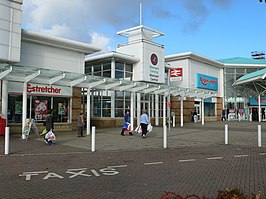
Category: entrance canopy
[17,73]
[255,81]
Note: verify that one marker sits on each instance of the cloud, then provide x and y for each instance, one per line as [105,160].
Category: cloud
[73,19]
[58,30]
[100,41]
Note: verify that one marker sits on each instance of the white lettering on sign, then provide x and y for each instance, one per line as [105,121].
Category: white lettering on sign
[108,171]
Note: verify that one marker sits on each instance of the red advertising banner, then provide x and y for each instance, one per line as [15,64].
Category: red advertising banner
[176,74]
[40,109]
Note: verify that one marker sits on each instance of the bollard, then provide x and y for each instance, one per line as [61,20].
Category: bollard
[6,140]
[93,139]
[226,134]
[259,135]
[173,121]
[165,137]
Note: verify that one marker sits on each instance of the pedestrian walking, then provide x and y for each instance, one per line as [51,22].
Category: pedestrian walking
[223,115]
[80,125]
[144,121]
[126,126]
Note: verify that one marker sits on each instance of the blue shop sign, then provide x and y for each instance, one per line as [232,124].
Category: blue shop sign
[207,82]
[253,100]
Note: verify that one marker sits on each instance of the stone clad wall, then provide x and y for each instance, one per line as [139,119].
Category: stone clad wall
[76,106]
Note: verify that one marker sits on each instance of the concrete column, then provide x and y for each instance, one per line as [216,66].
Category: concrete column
[156,110]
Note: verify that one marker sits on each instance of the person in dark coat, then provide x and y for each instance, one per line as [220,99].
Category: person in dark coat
[49,122]
[80,125]
[126,125]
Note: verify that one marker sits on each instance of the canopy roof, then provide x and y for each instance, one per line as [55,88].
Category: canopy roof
[26,74]
[253,81]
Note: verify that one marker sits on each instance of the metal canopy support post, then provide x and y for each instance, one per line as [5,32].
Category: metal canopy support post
[6,72]
[88,111]
[132,111]
[156,110]
[182,111]
[24,108]
[139,88]
[94,84]
[202,111]
[32,76]
[164,111]
[123,88]
[57,78]
[109,86]
[259,108]
[78,81]
[149,90]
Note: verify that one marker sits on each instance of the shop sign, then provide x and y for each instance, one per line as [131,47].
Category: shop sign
[253,100]
[207,82]
[208,100]
[40,89]
[176,74]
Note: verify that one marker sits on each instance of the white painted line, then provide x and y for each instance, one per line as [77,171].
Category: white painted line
[84,169]
[43,154]
[189,160]
[240,156]
[95,172]
[262,154]
[117,166]
[153,163]
[35,172]
[215,158]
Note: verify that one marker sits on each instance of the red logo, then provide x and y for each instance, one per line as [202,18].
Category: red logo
[42,89]
[176,72]
[206,81]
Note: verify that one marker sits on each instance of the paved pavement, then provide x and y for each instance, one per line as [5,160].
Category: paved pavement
[196,161]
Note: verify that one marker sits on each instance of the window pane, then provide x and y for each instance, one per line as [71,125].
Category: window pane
[119,66]
[129,68]
[107,66]
[60,109]
[107,73]
[119,74]
[97,68]
[14,113]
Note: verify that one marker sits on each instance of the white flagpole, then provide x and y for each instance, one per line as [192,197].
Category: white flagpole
[140,12]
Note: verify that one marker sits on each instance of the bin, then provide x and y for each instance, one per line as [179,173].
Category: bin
[2,126]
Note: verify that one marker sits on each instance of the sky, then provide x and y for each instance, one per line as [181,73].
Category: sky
[217,29]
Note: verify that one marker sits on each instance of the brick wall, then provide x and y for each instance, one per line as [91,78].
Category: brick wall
[76,106]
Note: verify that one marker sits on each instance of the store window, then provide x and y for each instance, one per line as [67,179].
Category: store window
[37,108]
[209,109]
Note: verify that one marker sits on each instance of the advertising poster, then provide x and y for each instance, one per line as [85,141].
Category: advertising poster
[18,107]
[40,109]
[61,108]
